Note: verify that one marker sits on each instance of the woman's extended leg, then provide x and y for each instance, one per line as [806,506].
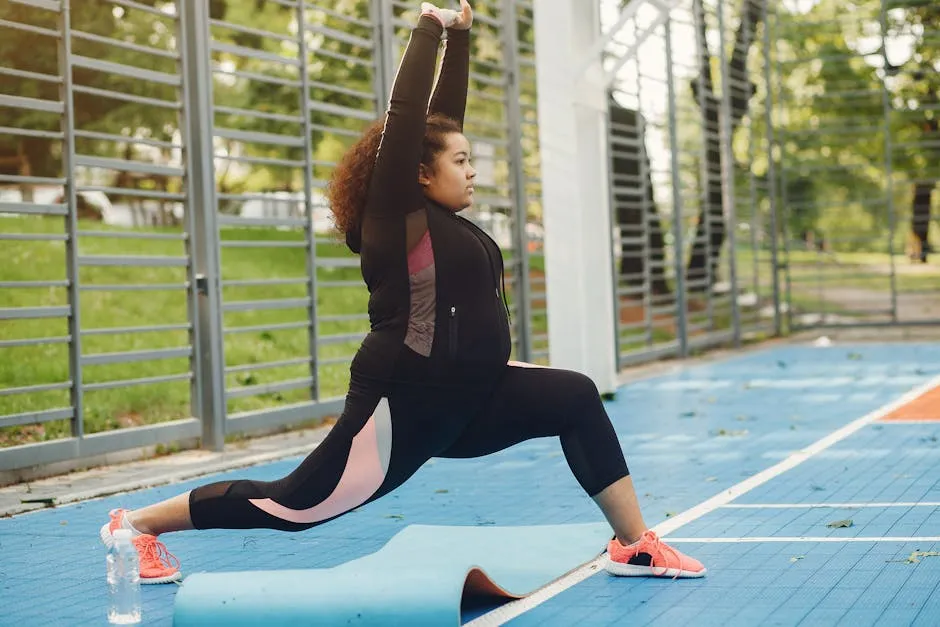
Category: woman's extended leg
[541,402]
[352,466]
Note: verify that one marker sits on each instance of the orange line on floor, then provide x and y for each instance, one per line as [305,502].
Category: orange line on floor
[925,407]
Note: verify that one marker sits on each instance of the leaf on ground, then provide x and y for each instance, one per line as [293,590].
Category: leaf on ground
[797,558]
[781,364]
[711,479]
[670,514]
[854,356]
[441,491]
[792,427]
[839,524]
[745,418]
[687,414]
[396,516]
[817,488]
[916,556]
[731,432]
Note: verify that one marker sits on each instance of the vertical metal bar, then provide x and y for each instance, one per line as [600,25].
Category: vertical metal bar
[646,211]
[614,222]
[727,177]
[771,170]
[386,51]
[679,253]
[755,213]
[705,209]
[201,197]
[645,207]
[889,164]
[311,236]
[67,122]
[192,294]
[785,209]
[523,291]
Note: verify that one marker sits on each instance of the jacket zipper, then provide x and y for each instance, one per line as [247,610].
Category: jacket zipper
[452,333]
[481,233]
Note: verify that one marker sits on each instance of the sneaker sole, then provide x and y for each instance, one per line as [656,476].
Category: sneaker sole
[108,540]
[633,570]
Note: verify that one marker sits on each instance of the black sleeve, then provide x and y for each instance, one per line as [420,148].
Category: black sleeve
[394,187]
[450,96]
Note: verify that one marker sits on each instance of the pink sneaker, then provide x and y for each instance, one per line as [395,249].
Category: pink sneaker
[650,557]
[157,565]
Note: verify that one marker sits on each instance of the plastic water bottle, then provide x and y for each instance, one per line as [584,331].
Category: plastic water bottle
[123,580]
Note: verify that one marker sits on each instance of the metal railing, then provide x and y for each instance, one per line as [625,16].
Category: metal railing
[172,276]
[756,188]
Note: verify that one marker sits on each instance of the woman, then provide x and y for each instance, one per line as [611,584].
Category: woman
[432,378]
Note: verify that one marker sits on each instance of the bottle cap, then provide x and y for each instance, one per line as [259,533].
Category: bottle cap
[122,534]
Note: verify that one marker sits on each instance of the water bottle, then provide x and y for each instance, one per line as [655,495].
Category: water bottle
[123,580]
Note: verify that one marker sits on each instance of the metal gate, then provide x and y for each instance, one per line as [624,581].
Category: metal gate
[170,273]
[773,167]
[693,216]
[859,162]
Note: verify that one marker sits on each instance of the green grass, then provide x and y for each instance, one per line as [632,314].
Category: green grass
[109,309]
[153,403]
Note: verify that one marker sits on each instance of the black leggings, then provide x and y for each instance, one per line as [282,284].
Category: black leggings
[379,442]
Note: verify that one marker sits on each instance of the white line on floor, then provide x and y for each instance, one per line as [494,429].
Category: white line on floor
[824,505]
[804,539]
[513,609]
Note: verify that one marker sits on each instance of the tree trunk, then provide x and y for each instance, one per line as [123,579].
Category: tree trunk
[711,229]
[920,219]
[629,204]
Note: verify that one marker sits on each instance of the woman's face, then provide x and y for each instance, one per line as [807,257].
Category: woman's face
[450,182]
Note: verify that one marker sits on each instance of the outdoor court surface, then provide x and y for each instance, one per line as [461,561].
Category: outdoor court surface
[743,462]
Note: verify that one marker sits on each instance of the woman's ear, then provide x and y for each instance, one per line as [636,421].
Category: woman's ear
[423,178]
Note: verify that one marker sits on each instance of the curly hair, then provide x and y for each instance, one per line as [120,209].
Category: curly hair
[349,184]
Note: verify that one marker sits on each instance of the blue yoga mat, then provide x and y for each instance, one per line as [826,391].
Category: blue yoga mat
[418,579]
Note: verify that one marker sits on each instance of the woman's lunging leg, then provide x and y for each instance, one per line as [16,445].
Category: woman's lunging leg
[540,402]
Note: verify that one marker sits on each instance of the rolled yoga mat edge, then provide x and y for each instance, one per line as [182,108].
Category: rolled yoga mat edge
[418,578]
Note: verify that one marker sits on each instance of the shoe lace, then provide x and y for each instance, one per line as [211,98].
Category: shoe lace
[655,545]
[152,550]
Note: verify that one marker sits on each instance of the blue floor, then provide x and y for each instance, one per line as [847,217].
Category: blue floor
[687,436]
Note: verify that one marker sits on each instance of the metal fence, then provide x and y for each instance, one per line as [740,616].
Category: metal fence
[754,149]
[170,270]
[170,274]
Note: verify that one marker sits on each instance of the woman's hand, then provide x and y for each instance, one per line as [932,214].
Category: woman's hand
[458,20]
[464,17]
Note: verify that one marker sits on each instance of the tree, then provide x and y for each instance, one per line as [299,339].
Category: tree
[916,99]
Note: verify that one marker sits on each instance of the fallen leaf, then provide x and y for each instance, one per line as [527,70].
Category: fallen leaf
[711,479]
[781,364]
[838,524]
[687,414]
[817,488]
[797,558]
[731,432]
[441,491]
[396,516]
[670,514]
[916,556]
[855,356]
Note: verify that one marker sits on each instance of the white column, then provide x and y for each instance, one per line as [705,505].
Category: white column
[572,113]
